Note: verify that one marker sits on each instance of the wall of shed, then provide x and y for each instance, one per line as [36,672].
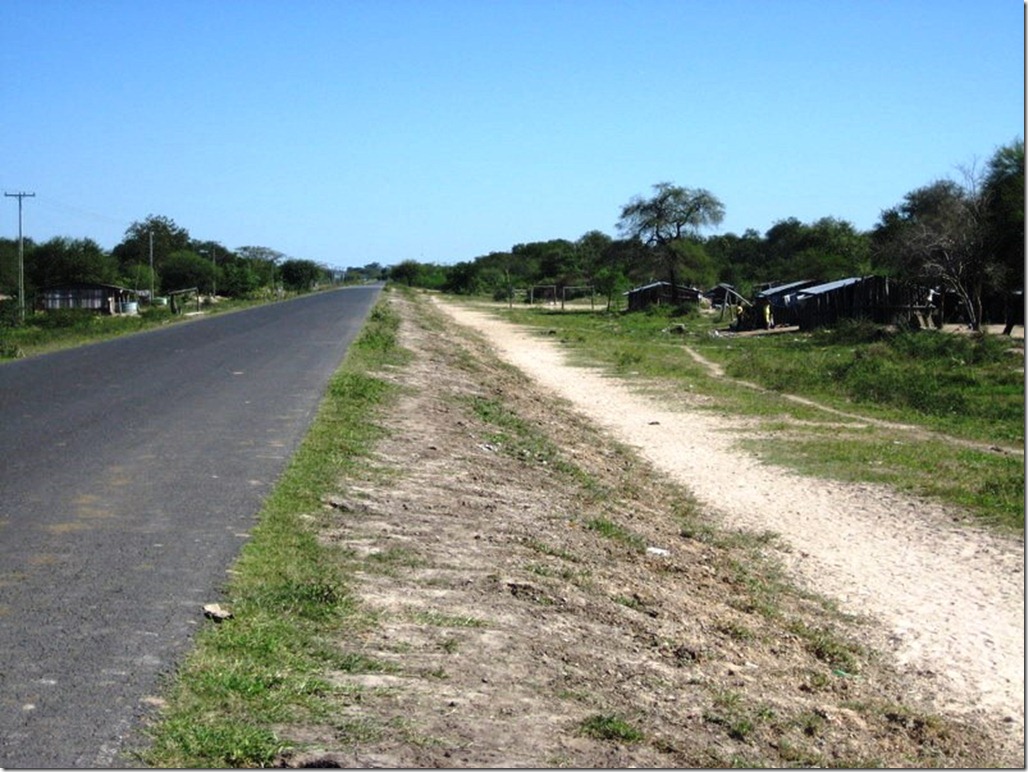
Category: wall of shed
[876,298]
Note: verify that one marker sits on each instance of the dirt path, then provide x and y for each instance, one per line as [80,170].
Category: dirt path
[950,599]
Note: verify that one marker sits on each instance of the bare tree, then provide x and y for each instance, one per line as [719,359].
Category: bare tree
[939,235]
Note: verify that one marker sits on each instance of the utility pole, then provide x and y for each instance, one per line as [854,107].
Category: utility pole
[21,253]
[151,270]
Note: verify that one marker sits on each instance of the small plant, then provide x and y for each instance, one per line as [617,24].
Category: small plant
[610,727]
[436,619]
[612,530]
[827,647]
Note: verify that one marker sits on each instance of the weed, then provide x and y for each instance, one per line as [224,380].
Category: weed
[736,631]
[610,727]
[436,619]
[546,549]
[391,561]
[612,530]
[827,647]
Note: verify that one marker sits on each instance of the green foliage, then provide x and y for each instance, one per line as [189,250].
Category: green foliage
[230,744]
[1004,189]
[611,530]
[184,269]
[80,319]
[938,374]
[608,726]
[301,275]
[69,261]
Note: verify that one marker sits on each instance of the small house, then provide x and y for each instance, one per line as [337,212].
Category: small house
[660,293]
[102,298]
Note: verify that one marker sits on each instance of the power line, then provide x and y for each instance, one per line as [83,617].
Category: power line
[21,253]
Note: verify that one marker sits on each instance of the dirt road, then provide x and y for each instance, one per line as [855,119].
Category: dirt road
[543,591]
[950,597]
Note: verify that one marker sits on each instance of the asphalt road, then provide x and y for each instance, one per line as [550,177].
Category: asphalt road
[131,473]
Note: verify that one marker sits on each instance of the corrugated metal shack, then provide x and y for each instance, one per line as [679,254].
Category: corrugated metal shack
[105,298]
[783,300]
[876,298]
[659,293]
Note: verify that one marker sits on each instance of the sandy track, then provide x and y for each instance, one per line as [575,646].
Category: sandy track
[949,599]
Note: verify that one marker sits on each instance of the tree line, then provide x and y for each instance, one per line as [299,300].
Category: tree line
[158,254]
[963,236]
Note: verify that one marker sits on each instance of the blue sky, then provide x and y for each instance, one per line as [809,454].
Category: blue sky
[359,131]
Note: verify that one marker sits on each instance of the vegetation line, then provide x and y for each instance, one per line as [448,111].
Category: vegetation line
[288,594]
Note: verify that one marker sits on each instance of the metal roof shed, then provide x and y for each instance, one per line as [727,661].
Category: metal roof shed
[877,298]
[660,293]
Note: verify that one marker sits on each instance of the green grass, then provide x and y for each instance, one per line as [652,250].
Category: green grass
[968,388]
[288,594]
[610,727]
[991,485]
[611,530]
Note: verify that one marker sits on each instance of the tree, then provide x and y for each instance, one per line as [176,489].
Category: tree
[741,259]
[694,262]
[63,260]
[167,238]
[592,248]
[1003,189]
[184,269]
[301,275]
[406,272]
[670,215]
[463,278]
[938,235]
[262,262]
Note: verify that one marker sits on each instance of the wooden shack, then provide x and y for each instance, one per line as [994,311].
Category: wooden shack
[660,293]
[878,299]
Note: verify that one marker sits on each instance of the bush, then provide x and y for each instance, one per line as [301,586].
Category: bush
[64,319]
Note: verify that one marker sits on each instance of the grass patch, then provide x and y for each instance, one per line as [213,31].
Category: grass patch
[611,530]
[610,727]
[436,619]
[843,657]
[288,594]
[514,436]
[990,485]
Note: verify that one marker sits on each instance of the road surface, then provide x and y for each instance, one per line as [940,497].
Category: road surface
[131,472]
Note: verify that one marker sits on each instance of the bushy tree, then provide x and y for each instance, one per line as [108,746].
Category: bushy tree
[938,235]
[167,238]
[9,263]
[406,272]
[672,214]
[1004,191]
[463,279]
[184,269]
[301,275]
[63,260]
